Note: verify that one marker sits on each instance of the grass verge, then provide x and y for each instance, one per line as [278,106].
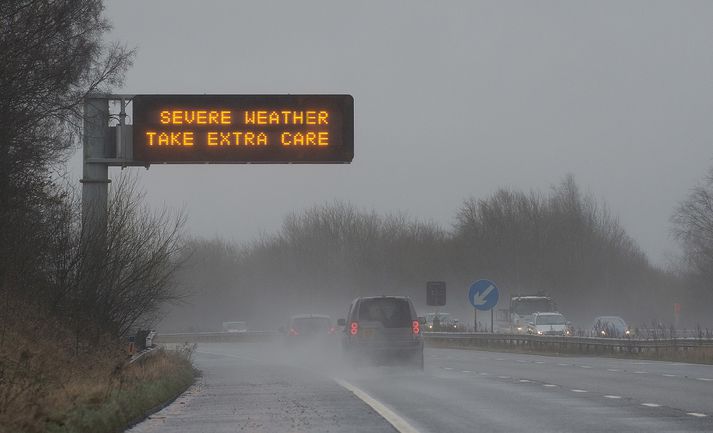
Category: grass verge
[142,388]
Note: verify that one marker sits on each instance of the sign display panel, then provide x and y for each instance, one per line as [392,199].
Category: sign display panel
[436,293]
[176,129]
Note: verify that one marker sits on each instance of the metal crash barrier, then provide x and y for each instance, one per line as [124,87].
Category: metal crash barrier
[215,337]
[571,345]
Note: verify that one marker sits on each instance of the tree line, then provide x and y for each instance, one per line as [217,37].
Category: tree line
[54,273]
[561,242]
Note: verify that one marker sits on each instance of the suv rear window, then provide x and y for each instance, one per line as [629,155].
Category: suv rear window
[392,313]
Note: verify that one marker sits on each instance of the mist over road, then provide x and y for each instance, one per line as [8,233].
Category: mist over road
[266,388]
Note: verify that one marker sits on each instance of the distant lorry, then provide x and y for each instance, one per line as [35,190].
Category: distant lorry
[523,307]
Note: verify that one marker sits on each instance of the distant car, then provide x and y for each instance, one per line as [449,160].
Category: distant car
[548,324]
[235,326]
[441,322]
[383,330]
[610,326]
[309,327]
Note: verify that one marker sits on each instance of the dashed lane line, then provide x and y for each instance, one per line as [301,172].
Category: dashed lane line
[400,424]
[613,369]
[705,379]
[549,385]
[615,397]
[640,372]
[651,404]
[578,390]
[697,414]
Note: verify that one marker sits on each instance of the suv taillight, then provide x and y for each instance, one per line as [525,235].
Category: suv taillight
[415,327]
[354,328]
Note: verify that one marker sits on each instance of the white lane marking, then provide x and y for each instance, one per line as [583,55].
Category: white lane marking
[467,371]
[483,374]
[705,379]
[447,368]
[539,362]
[578,390]
[549,385]
[400,424]
[639,372]
[524,381]
[563,365]
[650,404]
[641,363]
[612,396]
[500,359]
[669,375]
[612,369]
[699,415]
[522,360]
[586,366]
[503,377]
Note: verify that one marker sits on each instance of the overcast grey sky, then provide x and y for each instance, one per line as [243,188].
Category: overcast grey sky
[452,99]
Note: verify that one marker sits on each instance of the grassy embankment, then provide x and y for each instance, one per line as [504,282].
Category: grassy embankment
[48,384]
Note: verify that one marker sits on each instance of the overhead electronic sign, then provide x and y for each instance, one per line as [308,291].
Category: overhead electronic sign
[308,129]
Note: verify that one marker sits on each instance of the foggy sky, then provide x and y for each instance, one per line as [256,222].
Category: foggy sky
[452,99]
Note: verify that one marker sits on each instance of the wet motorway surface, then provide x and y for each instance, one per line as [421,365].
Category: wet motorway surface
[256,387]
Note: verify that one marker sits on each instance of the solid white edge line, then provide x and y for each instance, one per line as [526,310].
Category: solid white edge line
[400,424]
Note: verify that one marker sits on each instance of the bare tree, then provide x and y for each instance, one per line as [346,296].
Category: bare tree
[123,277]
[51,55]
[693,227]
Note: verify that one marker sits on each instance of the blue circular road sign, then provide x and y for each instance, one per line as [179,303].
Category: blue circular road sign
[483,295]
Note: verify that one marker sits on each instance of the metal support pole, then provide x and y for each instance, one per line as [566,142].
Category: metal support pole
[475,320]
[95,176]
[492,331]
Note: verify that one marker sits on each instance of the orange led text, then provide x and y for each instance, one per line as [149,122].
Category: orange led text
[196,117]
[264,117]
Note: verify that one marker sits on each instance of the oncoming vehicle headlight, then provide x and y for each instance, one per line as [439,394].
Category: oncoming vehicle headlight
[627,332]
[604,332]
[539,332]
[567,332]
[519,328]
[430,326]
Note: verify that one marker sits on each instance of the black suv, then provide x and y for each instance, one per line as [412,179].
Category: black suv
[383,329]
